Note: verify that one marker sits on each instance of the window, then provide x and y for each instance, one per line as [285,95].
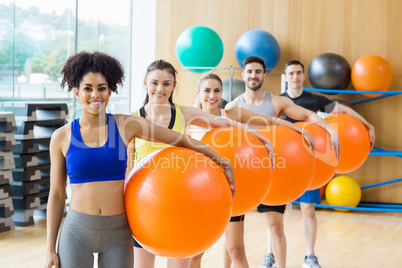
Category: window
[37,37]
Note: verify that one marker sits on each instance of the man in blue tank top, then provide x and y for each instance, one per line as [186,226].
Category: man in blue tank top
[262,102]
[295,76]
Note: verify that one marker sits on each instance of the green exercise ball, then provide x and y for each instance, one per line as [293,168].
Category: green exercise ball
[199,46]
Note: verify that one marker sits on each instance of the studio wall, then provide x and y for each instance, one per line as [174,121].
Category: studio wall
[304,29]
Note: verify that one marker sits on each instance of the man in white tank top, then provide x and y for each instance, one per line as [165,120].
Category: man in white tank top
[260,101]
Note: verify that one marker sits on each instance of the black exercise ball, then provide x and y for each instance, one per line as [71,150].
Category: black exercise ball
[329,71]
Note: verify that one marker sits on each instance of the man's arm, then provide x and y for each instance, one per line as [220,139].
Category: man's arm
[285,105]
[343,109]
[232,104]
[248,117]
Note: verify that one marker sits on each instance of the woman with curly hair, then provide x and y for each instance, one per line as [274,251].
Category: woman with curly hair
[92,152]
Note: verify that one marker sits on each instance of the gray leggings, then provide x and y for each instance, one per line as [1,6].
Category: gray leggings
[82,235]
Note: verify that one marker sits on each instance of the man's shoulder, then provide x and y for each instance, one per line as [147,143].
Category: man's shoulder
[310,94]
[233,103]
[279,97]
[280,101]
[313,95]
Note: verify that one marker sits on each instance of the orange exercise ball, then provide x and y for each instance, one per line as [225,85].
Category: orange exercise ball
[251,165]
[325,161]
[178,202]
[372,72]
[354,140]
[294,165]
[343,191]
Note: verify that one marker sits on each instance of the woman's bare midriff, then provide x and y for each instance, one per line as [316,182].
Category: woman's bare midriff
[104,198]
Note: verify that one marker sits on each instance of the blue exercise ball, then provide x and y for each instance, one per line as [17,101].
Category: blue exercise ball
[199,46]
[329,71]
[258,43]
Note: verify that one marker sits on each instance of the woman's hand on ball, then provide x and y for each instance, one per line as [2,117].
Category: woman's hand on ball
[228,170]
[310,141]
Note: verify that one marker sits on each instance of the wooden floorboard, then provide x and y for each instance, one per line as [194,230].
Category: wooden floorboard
[345,239]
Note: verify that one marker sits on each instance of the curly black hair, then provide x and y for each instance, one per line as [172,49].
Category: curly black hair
[79,64]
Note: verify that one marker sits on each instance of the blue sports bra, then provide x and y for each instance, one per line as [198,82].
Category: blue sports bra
[105,163]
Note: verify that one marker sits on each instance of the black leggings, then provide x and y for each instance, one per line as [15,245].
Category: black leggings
[237,218]
[264,208]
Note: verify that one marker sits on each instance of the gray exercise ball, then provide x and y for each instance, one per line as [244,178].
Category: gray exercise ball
[344,103]
[329,71]
[238,88]
[223,103]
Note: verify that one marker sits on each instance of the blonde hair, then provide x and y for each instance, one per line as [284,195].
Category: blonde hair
[206,76]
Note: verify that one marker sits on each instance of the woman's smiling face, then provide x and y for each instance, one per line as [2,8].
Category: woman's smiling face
[160,85]
[210,93]
[93,93]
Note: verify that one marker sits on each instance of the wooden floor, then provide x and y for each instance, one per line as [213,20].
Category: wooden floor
[345,239]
